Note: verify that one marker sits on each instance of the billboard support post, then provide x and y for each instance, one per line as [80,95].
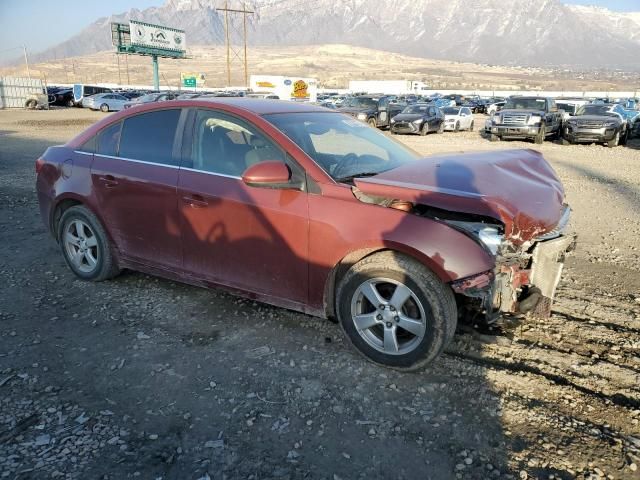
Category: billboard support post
[156,78]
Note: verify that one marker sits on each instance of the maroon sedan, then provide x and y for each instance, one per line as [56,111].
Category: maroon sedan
[309,209]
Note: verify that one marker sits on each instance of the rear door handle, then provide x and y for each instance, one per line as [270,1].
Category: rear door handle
[109,181]
[195,200]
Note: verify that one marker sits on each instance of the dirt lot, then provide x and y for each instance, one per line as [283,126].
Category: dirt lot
[145,378]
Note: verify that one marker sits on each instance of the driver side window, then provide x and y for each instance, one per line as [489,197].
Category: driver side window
[225,145]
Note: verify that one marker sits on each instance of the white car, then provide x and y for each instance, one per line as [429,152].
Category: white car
[457,118]
[494,107]
[107,102]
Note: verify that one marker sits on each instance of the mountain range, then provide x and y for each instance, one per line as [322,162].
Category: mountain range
[503,32]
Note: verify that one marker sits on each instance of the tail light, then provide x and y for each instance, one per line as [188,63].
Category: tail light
[39,164]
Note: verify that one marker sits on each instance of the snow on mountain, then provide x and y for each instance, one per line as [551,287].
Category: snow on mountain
[510,32]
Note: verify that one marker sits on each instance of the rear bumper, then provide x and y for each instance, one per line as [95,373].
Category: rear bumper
[521,282]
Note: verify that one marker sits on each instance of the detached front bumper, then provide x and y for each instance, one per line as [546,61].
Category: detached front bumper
[589,135]
[515,131]
[405,127]
[522,282]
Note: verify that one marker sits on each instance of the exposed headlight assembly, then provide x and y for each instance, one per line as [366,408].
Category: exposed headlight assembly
[489,236]
[362,116]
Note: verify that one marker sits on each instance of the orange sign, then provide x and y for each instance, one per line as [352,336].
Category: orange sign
[300,89]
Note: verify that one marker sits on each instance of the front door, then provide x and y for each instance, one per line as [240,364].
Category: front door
[251,238]
[135,176]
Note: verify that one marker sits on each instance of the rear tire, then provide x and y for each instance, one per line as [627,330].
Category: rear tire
[424,129]
[457,129]
[85,245]
[372,123]
[31,104]
[425,304]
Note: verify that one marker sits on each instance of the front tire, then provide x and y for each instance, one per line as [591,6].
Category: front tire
[440,128]
[424,129]
[85,245]
[615,141]
[457,129]
[494,138]
[104,108]
[471,127]
[539,138]
[395,311]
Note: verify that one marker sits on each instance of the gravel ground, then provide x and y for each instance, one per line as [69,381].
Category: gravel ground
[141,377]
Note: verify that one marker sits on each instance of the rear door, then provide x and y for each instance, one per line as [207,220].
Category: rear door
[135,175]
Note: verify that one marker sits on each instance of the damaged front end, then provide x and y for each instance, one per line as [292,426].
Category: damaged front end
[524,279]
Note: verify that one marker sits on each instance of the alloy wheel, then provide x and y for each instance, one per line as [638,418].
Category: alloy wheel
[388,315]
[81,246]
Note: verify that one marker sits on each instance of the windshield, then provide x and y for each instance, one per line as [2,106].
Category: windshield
[360,102]
[416,109]
[595,110]
[525,104]
[451,111]
[341,146]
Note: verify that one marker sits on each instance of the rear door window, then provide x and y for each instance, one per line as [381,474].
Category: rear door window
[150,136]
[108,140]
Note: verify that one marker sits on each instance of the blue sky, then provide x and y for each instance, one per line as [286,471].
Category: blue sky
[39,24]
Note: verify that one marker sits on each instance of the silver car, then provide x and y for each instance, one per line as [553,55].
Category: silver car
[106,102]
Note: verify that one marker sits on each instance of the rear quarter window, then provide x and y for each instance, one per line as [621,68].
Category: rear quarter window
[150,136]
[108,140]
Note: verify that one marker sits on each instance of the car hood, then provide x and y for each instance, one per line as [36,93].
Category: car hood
[599,118]
[516,187]
[407,117]
[355,110]
[521,111]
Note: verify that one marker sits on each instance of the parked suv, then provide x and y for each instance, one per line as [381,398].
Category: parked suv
[532,118]
[597,124]
[302,207]
[377,111]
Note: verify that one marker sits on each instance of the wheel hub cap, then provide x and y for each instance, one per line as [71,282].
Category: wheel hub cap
[388,316]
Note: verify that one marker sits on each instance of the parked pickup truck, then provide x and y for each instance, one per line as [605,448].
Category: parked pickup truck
[532,118]
[377,111]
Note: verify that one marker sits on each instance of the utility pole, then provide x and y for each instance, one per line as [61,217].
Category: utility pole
[26,60]
[244,13]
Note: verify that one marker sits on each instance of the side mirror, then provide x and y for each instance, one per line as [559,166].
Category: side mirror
[267,174]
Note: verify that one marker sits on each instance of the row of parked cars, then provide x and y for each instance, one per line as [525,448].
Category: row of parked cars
[568,120]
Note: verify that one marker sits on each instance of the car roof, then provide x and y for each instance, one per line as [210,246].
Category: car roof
[261,106]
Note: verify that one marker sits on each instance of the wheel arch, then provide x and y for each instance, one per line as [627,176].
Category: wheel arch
[63,203]
[342,267]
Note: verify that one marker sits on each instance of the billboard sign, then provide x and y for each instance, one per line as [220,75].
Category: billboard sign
[155,36]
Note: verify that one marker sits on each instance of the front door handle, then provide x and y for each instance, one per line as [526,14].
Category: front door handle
[195,200]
